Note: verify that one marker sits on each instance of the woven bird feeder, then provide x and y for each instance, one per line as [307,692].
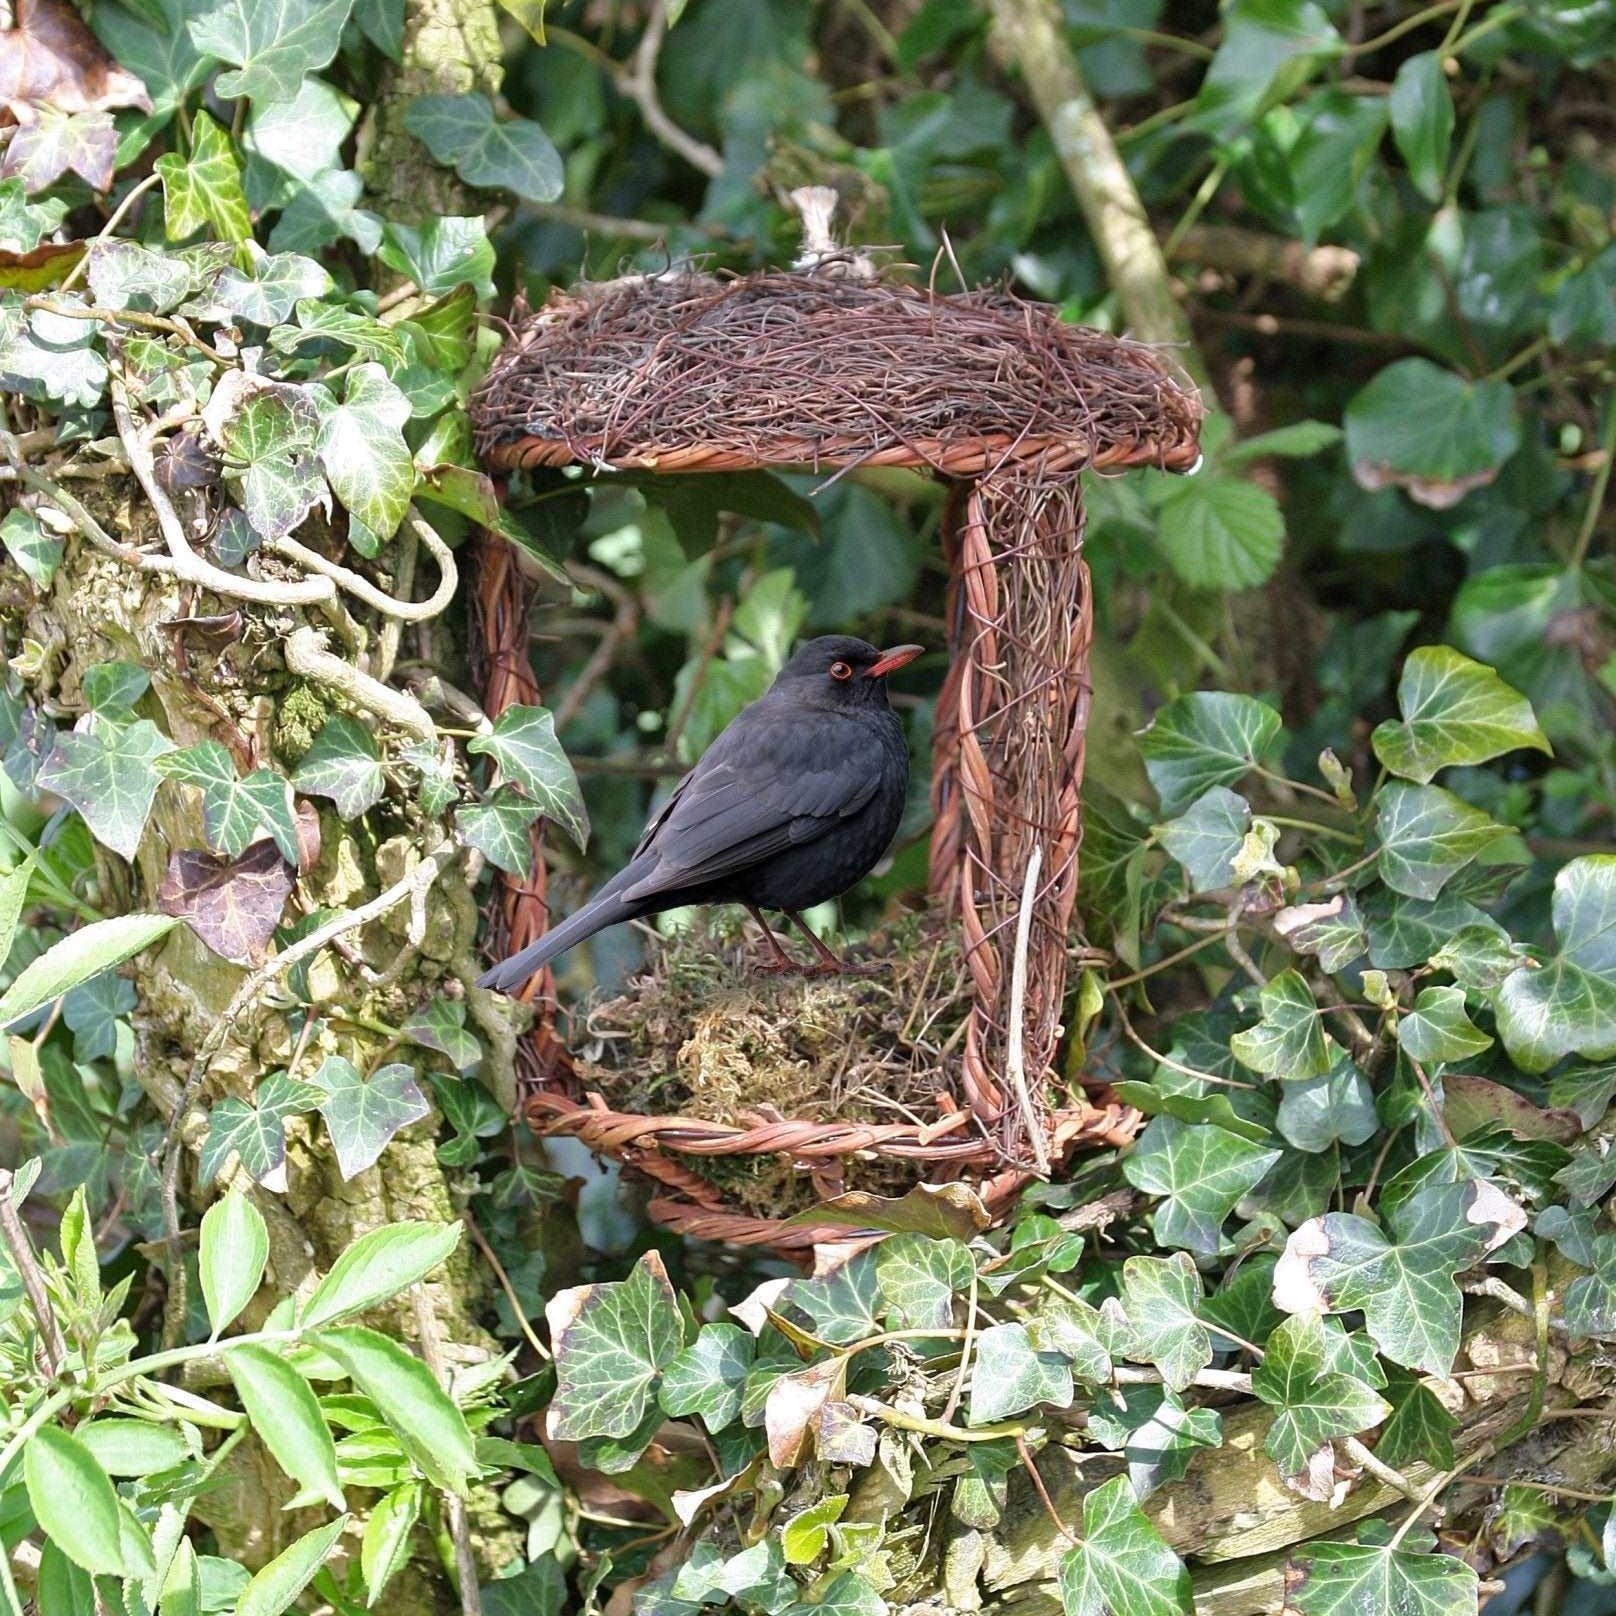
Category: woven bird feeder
[833,367]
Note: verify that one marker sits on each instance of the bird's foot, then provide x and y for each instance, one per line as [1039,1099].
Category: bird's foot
[847,968]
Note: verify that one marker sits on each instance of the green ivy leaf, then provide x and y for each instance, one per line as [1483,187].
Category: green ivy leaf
[32,546]
[1011,1375]
[1418,1429]
[1425,835]
[440,1024]
[1479,958]
[344,765]
[1154,1432]
[362,448]
[362,1114]
[113,688]
[330,322]
[1437,1029]
[267,295]
[54,356]
[709,1377]
[273,44]
[1419,424]
[441,254]
[234,811]
[524,745]
[255,1131]
[612,1343]
[1568,1005]
[1209,837]
[1422,120]
[1220,533]
[204,191]
[1313,1404]
[1590,1299]
[1200,1109]
[1455,711]
[268,441]
[23,224]
[1121,1567]
[108,773]
[1403,1280]
[1339,1106]
[1341,1579]
[1201,1172]
[1160,1296]
[1069,1326]
[92,1011]
[804,1537]
[150,39]
[499,829]
[1289,1041]
[513,154]
[1205,739]
[124,274]
[843,1307]
[919,1278]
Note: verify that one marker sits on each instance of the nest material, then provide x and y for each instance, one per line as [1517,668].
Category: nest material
[684,373]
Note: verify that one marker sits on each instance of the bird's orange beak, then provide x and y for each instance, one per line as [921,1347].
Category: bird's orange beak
[900,656]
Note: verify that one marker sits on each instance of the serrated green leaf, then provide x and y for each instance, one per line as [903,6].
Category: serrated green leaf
[1219,533]
[1568,1005]
[1312,1404]
[1011,1375]
[1201,1172]
[709,1376]
[524,745]
[287,1418]
[362,1114]
[108,773]
[1121,1567]
[32,546]
[362,449]
[255,1131]
[1344,1579]
[1455,711]
[274,1589]
[1298,440]
[234,1251]
[1160,1296]
[1154,1432]
[612,1343]
[378,1265]
[1438,1029]
[204,191]
[1205,739]
[385,1547]
[344,765]
[919,1278]
[499,829]
[79,956]
[74,1502]
[512,154]
[272,44]
[1289,1041]
[1422,120]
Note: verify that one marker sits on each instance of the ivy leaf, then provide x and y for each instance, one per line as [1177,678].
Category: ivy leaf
[324,210]
[1121,1567]
[1430,430]
[441,1025]
[1220,532]
[267,434]
[233,810]
[1590,1299]
[155,46]
[1317,1112]
[1336,1579]
[113,688]
[1313,1404]
[255,1131]
[325,321]
[362,1114]
[204,191]
[92,1011]
[919,1278]
[1426,835]
[362,448]
[1160,1296]
[54,356]
[1455,711]
[709,1376]
[1568,1005]
[1422,120]
[1154,1432]
[441,254]
[612,1343]
[513,154]
[1403,1280]
[525,747]
[1289,1041]
[1069,1326]
[1012,1375]
[123,274]
[32,546]
[1419,1428]
[24,224]
[1207,738]
[1437,1029]
[499,828]
[842,1307]
[53,142]
[107,772]
[344,765]
[1208,838]
[273,44]
[233,905]
[271,291]
[1201,1171]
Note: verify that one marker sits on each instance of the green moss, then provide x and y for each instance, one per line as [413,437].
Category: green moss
[300,714]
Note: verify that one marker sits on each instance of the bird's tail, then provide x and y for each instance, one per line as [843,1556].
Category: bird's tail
[605,909]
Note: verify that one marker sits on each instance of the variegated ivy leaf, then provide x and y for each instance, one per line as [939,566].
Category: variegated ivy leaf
[203,191]
[1200,1172]
[256,1131]
[842,1307]
[1568,1005]
[1121,1567]
[272,44]
[1479,958]
[499,829]
[1160,1297]
[1154,1432]
[1069,1326]
[107,771]
[330,322]
[1438,1029]
[49,356]
[1208,838]
[123,274]
[267,295]
[437,791]
[235,810]
[1455,711]
[441,1025]
[31,545]
[1425,835]
[54,142]
[23,224]
[524,745]
[1341,1579]
[1289,1041]
[1011,1375]
[1317,1112]
[362,448]
[1205,739]
[919,1278]
[612,1344]
[362,1113]
[511,154]
[303,137]
[344,765]
[709,1376]
[267,432]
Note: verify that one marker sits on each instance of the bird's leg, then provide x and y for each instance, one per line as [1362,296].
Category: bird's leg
[781,961]
[829,964]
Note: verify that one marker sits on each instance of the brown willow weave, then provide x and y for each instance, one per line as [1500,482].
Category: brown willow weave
[688,373]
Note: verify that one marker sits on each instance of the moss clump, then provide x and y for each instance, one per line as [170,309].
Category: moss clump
[300,714]
[704,1033]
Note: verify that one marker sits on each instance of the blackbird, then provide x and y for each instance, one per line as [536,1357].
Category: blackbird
[793,804]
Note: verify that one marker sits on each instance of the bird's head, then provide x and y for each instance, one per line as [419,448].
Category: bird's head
[843,670]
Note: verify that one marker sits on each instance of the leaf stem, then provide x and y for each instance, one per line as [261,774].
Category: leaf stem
[1596,496]
[921,1426]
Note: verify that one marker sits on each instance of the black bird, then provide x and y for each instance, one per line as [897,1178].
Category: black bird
[794,803]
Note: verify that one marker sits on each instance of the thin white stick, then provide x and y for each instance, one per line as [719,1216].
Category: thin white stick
[1016,1059]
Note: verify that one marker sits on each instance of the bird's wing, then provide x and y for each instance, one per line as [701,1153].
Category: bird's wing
[759,790]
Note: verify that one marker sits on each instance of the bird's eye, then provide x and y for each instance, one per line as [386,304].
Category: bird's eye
[840,670]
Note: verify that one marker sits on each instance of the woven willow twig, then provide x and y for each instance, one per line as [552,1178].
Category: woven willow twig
[684,373]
